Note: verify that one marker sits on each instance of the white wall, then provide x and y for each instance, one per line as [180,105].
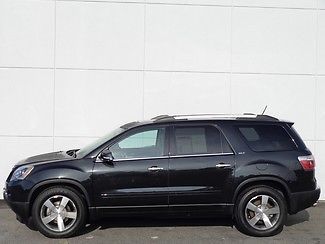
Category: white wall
[72,70]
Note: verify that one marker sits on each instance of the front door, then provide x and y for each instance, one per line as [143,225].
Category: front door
[138,175]
[201,167]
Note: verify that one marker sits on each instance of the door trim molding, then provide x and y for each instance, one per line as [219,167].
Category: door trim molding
[160,206]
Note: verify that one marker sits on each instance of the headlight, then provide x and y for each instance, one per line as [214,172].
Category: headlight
[21,172]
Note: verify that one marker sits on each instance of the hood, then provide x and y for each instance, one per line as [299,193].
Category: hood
[54,156]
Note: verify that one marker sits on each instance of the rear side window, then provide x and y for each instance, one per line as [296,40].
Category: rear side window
[200,140]
[267,138]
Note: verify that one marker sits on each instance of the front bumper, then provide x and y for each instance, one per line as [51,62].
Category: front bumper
[20,208]
[302,200]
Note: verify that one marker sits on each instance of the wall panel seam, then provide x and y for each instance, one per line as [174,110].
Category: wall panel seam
[190,4]
[231,55]
[54,78]
[163,71]
[144,57]
[316,71]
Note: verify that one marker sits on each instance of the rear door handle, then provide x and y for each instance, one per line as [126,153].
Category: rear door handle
[222,165]
[155,168]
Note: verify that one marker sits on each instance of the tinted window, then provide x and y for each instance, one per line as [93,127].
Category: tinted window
[144,144]
[139,140]
[262,138]
[200,140]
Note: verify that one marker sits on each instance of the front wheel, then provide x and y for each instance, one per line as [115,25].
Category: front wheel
[261,211]
[59,212]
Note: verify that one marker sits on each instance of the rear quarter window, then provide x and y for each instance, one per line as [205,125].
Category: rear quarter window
[267,138]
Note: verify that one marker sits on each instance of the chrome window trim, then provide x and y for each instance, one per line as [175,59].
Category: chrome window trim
[171,156]
[144,158]
[201,155]
[98,160]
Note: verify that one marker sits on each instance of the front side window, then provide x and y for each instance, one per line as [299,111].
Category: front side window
[200,140]
[144,144]
[267,138]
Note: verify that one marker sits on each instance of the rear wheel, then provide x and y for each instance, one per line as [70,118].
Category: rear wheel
[59,212]
[261,211]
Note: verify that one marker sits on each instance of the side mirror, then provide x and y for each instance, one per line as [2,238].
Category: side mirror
[106,156]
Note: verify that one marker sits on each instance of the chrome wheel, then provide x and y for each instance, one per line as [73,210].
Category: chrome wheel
[262,212]
[58,213]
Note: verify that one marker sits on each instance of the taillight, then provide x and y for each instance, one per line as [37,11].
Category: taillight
[307,162]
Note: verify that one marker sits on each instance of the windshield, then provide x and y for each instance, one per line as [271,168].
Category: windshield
[100,141]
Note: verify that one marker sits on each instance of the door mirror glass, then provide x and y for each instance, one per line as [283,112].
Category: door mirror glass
[106,156]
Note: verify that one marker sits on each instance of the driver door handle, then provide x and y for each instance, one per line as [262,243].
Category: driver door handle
[223,165]
[154,168]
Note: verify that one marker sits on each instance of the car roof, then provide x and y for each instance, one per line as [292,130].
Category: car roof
[206,117]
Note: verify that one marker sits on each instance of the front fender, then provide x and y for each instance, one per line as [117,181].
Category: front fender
[51,182]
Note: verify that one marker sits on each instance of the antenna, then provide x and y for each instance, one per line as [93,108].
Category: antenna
[264,110]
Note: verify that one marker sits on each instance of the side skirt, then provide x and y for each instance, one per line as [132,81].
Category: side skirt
[164,211]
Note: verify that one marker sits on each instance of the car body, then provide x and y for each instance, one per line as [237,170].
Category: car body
[194,164]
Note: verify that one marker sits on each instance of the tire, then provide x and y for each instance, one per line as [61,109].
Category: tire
[58,212]
[260,219]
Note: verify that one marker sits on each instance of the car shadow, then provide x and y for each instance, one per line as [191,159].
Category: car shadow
[297,218]
[136,222]
[3,204]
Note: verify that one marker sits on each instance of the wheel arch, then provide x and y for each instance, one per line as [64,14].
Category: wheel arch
[38,188]
[267,181]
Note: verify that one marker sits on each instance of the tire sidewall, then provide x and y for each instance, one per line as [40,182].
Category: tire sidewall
[64,191]
[241,206]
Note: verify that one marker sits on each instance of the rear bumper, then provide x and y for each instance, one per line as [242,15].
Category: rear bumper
[302,200]
[20,208]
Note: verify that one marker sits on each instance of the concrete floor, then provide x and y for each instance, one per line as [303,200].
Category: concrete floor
[304,227]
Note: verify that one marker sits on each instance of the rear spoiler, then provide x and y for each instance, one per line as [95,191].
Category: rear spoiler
[289,123]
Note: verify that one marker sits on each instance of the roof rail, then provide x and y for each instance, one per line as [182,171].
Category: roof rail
[159,117]
[214,116]
[245,116]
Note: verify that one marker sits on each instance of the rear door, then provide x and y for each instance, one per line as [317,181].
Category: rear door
[201,166]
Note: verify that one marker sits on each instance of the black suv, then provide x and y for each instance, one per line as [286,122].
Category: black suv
[254,168]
